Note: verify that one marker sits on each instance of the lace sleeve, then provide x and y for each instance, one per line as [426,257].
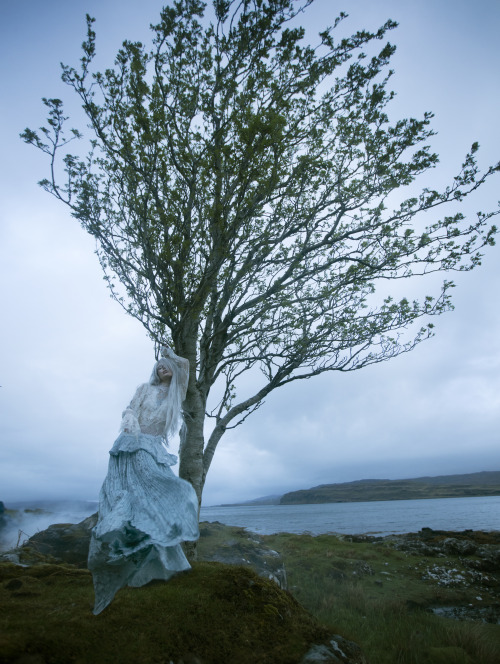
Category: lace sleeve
[130,422]
[183,366]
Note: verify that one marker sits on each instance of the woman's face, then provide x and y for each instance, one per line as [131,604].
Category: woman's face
[164,373]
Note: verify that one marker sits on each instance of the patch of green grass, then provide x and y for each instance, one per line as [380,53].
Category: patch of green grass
[375,595]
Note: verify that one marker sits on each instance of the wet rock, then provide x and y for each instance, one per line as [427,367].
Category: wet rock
[61,542]
[444,576]
[359,539]
[456,547]
[413,546]
[439,543]
[449,576]
[337,651]
[486,614]
[236,546]
[488,559]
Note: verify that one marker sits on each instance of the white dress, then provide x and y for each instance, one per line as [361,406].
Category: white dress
[145,511]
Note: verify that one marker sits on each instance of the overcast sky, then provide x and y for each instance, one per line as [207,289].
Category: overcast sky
[71,358]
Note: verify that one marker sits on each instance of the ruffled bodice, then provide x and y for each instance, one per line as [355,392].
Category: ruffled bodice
[147,411]
[153,444]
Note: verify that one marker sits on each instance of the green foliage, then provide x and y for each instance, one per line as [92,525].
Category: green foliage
[238,185]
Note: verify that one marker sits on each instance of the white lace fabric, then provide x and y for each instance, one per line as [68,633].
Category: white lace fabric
[155,405]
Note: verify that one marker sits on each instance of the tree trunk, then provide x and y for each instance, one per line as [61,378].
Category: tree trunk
[191,451]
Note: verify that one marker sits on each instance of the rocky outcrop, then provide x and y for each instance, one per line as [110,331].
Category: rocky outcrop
[483,546]
[61,543]
[467,561]
[236,546]
[69,543]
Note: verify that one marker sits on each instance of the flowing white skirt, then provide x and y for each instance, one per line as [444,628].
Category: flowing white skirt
[145,512]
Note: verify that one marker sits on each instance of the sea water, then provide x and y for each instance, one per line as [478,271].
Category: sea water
[375,518]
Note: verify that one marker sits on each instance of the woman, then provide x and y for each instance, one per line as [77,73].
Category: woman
[145,511]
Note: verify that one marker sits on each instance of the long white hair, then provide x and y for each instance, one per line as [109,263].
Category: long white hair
[175,396]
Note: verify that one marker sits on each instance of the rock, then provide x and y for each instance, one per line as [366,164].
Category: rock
[488,559]
[236,546]
[61,542]
[337,651]
[455,547]
[358,539]
[11,557]
[484,545]
[69,543]
[485,614]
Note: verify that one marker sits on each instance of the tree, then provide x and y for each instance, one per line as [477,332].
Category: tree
[240,187]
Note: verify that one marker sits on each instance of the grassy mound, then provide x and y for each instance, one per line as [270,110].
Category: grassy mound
[214,613]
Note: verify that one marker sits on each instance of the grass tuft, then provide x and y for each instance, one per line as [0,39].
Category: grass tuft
[377,596]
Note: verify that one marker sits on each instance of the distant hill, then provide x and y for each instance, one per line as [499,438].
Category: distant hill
[274,499]
[486,483]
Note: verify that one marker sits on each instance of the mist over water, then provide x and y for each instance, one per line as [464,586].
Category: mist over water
[21,520]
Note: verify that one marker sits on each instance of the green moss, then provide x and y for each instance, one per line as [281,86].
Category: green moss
[216,612]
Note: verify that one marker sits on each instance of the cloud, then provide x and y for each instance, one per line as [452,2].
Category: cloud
[71,358]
